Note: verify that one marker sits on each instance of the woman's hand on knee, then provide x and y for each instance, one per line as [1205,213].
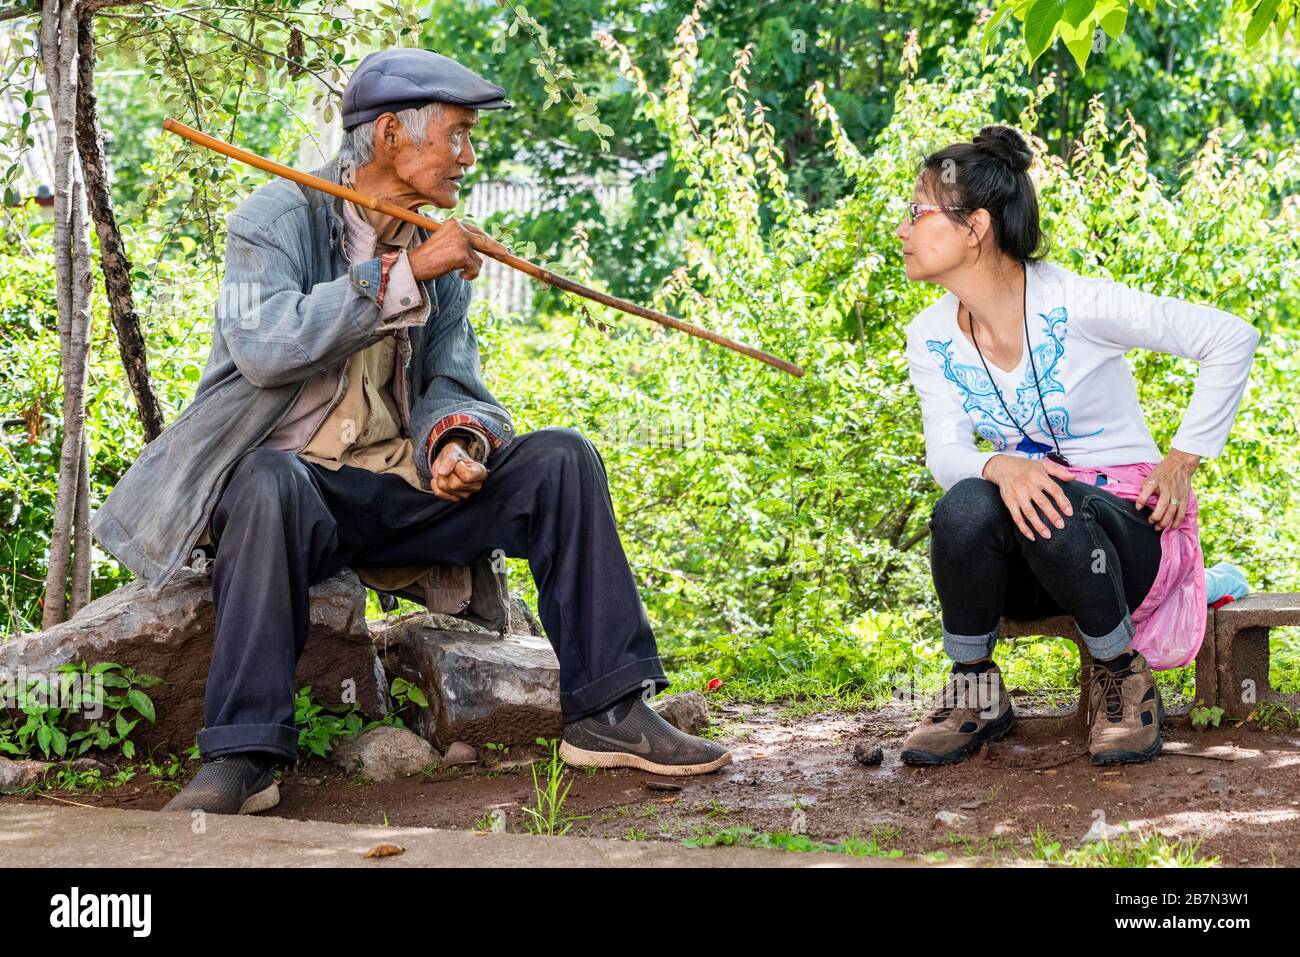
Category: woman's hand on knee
[1028,487]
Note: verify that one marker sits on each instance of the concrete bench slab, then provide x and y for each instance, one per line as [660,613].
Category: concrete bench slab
[1241,637]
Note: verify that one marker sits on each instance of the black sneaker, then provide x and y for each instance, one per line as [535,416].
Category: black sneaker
[639,739]
[239,783]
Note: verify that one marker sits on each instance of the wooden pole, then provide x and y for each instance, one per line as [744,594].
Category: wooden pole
[484,244]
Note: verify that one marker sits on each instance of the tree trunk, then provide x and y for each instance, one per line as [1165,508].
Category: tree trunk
[112,252]
[82,545]
[73,283]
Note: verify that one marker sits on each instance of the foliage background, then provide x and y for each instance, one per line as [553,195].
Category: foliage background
[777,525]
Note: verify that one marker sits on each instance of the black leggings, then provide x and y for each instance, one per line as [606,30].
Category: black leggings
[1097,569]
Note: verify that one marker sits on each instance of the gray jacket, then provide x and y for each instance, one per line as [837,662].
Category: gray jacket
[291,305]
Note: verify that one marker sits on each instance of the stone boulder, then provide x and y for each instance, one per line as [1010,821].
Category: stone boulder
[16,775]
[481,687]
[171,636]
[384,754]
[687,712]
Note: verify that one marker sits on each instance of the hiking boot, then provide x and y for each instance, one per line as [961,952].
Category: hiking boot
[1124,713]
[972,708]
[633,735]
[238,783]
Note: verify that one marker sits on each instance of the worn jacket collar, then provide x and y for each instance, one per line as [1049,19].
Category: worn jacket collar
[334,173]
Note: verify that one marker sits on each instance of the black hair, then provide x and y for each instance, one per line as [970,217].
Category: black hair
[991,172]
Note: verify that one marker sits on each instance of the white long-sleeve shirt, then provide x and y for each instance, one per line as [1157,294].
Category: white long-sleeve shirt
[1080,328]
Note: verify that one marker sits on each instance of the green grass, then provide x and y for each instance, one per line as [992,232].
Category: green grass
[853,845]
[982,845]
[493,821]
[1127,850]
[551,790]
[1284,660]
[1276,716]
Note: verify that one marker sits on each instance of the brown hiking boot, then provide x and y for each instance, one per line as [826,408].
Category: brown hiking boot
[1124,713]
[971,709]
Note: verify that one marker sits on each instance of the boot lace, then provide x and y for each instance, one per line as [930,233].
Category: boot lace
[1110,682]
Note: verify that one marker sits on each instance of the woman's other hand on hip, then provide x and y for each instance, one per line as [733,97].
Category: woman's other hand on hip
[1171,484]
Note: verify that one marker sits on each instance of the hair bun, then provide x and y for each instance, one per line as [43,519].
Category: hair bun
[1007,145]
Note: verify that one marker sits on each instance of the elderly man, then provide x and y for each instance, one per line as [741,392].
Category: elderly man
[342,420]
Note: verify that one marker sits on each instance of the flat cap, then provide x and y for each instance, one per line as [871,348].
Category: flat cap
[402,78]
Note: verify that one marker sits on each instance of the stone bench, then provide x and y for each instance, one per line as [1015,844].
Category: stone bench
[1231,667]
[1062,626]
[1241,631]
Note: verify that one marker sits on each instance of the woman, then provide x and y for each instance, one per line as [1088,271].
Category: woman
[1073,510]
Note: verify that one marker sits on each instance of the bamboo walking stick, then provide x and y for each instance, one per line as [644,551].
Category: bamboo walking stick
[485,245]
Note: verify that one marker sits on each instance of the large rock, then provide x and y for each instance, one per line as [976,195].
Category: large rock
[688,711]
[385,753]
[522,619]
[522,622]
[171,636]
[481,688]
[16,775]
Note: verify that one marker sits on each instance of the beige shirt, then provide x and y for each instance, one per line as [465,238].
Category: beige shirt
[357,413]
[365,429]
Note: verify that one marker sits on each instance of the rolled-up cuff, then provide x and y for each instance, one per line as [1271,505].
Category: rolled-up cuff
[458,420]
[279,739]
[1113,642]
[477,446]
[605,690]
[968,647]
[405,303]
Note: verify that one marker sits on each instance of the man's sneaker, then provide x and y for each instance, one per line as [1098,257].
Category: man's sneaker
[1124,713]
[239,783]
[639,739]
[971,709]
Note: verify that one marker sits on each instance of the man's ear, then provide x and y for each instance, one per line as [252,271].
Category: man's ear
[388,131]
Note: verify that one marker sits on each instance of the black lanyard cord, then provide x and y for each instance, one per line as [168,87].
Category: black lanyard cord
[1056,456]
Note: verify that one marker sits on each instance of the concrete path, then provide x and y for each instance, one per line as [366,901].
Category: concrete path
[41,833]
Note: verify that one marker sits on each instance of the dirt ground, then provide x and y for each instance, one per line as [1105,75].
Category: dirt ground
[800,774]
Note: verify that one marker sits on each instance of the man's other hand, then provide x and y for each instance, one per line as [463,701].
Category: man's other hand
[456,476]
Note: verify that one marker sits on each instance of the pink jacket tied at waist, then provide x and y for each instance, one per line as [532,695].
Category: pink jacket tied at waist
[1169,625]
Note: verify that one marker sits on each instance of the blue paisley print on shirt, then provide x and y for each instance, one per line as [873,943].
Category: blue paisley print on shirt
[980,399]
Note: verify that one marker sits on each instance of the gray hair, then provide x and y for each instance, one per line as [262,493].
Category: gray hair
[358,145]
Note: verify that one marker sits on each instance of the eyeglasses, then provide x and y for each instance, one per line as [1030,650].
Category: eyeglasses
[916,210]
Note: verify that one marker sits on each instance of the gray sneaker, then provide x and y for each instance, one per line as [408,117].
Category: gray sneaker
[239,783]
[641,740]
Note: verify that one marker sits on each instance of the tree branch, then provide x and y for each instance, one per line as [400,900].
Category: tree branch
[13,13]
[113,260]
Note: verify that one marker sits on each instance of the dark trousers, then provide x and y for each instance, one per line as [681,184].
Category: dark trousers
[283,524]
[1098,569]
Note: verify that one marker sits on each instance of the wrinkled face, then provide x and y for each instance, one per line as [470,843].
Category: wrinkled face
[434,169]
[934,245]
